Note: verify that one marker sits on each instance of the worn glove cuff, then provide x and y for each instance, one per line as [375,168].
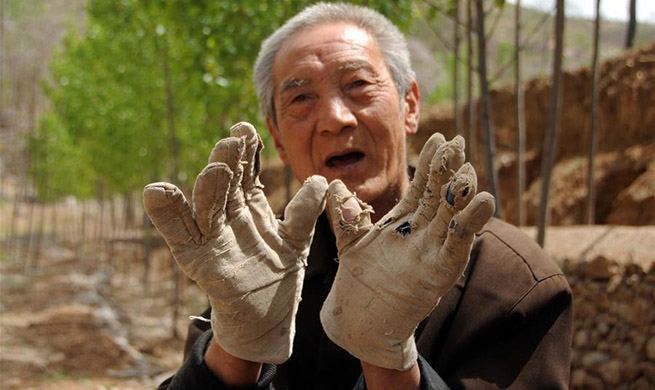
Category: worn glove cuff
[268,338]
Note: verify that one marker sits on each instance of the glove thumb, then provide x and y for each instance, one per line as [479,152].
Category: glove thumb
[302,212]
[170,212]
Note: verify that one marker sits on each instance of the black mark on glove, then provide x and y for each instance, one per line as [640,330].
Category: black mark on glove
[450,198]
[404,229]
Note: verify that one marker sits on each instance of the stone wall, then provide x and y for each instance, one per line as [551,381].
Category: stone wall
[611,270]
[614,324]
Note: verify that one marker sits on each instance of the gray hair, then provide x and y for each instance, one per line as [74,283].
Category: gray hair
[391,41]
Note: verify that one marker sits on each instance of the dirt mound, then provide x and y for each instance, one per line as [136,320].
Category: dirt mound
[83,338]
[637,202]
[626,120]
[621,195]
[59,320]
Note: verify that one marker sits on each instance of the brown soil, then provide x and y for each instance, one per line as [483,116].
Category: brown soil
[624,177]
[72,325]
[120,339]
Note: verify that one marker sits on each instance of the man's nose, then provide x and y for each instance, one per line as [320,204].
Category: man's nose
[336,116]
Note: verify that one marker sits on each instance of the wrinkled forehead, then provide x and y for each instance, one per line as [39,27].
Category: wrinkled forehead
[330,37]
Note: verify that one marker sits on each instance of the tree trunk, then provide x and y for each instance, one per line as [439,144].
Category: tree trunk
[39,235]
[33,120]
[128,211]
[550,141]
[66,222]
[456,81]
[520,119]
[593,142]
[170,119]
[30,223]
[54,224]
[147,251]
[71,222]
[101,215]
[2,54]
[170,111]
[83,224]
[13,233]
[487,121]
[177,295]
[472,112]
[3,175]
[632,24]
[112,236]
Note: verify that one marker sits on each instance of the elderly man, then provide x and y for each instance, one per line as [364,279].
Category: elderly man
[396,294]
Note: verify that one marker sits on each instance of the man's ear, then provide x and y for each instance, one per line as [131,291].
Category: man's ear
[411,102]
[272,129]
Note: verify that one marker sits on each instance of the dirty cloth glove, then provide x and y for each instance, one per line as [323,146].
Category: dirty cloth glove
[392,274]
[250,264]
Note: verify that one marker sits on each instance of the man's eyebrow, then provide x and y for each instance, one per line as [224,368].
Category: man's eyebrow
[292,83]
[352,65]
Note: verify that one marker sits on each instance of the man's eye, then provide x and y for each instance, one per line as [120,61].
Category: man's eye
[358,83]
[299,99]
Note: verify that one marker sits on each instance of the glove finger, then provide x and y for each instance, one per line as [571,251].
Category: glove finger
[209,197]
[409,202]
[455,196]
[446,160]
[261,213]
[350,217]
[253,147]
[454,254]
[230,152]
[302,212]
[170,212]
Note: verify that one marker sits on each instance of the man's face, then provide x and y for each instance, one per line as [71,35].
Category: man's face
[339,114]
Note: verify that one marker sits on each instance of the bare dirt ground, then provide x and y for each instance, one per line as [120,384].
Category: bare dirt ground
[70,324]
[621,244]
[73,324]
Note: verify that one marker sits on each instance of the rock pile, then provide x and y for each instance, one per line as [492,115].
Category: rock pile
[614,324]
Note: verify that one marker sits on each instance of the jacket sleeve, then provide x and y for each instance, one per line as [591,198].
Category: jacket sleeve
[194,373]
[527,349]
[546,312]
[508,324]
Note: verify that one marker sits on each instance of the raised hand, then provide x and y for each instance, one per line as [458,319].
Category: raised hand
[392,274]
[250,264]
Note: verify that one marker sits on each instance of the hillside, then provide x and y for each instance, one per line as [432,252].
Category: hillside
[432,56]
[625,176]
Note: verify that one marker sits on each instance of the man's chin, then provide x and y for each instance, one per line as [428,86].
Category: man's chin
[365,191]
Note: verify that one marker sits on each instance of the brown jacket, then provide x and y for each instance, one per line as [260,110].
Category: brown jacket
[508,323]
[505,325]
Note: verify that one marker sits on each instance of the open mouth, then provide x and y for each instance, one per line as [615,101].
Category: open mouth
[344,160]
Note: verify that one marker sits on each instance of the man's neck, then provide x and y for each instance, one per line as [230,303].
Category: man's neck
[389,200]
